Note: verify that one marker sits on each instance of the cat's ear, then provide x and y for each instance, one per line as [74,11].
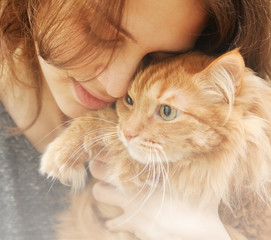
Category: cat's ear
[226,73]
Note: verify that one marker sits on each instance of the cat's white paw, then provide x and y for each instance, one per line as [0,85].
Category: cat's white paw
[59,163]
[75,177]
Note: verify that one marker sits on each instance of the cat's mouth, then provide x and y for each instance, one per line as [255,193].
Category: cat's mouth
[145,153]
[141,150]
[150,145]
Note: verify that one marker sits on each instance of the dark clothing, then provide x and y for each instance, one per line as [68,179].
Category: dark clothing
[28,202]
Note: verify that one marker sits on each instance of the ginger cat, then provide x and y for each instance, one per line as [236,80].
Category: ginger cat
[204,122]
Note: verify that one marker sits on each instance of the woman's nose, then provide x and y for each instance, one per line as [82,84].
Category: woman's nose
[115,82]
[117,76]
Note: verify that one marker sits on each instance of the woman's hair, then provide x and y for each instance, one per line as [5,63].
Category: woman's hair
[244,24]
[73,32]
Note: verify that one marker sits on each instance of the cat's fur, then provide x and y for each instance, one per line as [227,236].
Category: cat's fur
[217,147]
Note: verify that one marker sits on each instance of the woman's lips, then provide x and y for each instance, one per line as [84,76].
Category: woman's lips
[87,99]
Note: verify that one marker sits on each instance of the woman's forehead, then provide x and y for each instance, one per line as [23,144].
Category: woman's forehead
[164,25]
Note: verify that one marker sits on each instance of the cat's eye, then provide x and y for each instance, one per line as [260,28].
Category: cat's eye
[168,113]
[129,100]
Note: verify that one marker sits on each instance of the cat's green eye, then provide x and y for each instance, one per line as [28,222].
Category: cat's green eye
[167,113]
[129,100]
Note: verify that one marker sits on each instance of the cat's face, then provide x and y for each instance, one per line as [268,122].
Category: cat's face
[174,111]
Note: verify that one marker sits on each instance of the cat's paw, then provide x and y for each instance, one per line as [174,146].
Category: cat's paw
[60,163]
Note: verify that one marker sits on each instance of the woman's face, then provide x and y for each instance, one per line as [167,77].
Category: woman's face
[149,26]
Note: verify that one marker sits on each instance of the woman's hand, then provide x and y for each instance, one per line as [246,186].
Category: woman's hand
[158,216]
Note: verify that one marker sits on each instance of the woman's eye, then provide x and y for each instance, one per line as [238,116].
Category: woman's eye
[162,55]
[167,113]
[113,43]
[129,100]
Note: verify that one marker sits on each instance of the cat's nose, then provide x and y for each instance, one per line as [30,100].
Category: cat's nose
[128,134]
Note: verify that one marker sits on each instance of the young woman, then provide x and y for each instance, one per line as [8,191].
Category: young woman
[58,59]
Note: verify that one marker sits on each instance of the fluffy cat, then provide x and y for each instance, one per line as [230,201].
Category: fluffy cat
[204,122]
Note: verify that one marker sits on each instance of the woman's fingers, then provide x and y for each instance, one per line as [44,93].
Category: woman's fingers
[141,227]
[98,169]
[118,224]
[108,194]
[98,166]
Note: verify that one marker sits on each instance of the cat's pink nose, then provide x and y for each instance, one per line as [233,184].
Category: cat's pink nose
[128,135]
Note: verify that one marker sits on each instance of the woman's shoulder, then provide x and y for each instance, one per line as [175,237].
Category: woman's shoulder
[5,120]
[2,109]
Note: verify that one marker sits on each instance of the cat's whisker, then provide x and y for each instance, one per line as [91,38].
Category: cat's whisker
[151,174]
[265,195]
[86,118]
[167,164]
[112,137]
[92,142]
[152,187]
[79,151]
[105,147]
[52,184]
[93,132]
[155,177]
[52,131]
[162,169]
[98,154]
[82,148]
[100,131]
[100,136]
[65,164]
[155,180]
[144,186]
[136,176]
[70,159]
[82,119]
[149,162]
[166,171]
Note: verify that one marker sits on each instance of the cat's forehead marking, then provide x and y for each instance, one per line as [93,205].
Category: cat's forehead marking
[169,95]
[176,98]
[155,90]
[173,96]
